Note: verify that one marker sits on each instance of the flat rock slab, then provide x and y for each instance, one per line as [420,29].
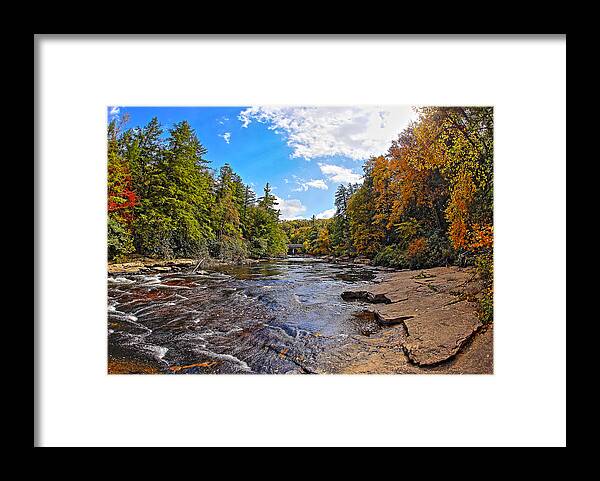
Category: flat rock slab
[430,305]
[438,334]
[418,304]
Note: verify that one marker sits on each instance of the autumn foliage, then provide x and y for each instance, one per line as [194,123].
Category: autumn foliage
[482,237]
[430,196]
[122,198]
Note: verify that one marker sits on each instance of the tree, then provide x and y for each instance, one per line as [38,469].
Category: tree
[249,202]
[323,242]
[227,204]
[365,232]
[174,188]
[121,197]
[268,201]
[457,142]
[340,227]
[266,235]
[228,208]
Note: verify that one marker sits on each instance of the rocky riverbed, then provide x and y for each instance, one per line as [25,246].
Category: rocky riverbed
[293,315]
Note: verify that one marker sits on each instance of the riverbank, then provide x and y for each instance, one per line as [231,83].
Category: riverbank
[147,265]
[429,323]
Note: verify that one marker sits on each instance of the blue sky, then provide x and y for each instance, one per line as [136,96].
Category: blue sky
[303,152]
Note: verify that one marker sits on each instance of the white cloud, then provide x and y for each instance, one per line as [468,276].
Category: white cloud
[226,136]
[313,132]
[114,113]
[337,173]
[290,209]
[315,183]
[326,214]
[244,117]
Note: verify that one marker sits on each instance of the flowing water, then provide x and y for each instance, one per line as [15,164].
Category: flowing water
[271,317]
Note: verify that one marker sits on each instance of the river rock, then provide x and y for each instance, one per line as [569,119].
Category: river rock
[378,293]
[367,296]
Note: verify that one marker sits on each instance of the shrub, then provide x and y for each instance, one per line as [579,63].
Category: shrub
[259,247]
[420,253]
[391,256]
[484,264]
[416,253]
[231,249]
[120,241]
[439,250]
[407,231]
[486,306]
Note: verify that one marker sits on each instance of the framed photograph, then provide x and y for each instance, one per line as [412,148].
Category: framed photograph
[267,236]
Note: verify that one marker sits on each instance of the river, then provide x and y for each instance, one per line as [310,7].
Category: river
[272,317]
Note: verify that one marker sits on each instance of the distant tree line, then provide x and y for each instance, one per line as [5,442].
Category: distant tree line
[164,200]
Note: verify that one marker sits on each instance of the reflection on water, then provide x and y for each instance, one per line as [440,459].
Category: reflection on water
[268,317]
